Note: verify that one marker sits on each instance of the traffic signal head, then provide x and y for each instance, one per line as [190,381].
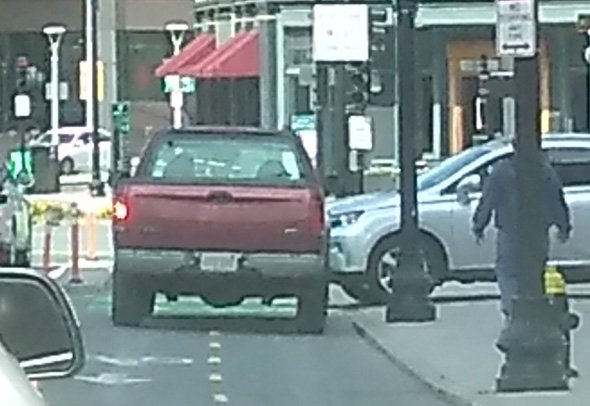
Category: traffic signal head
[357,88]
[22,68]
[121,117]
[583,23]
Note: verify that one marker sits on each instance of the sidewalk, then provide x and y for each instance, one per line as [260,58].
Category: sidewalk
[455,354]
[85,202]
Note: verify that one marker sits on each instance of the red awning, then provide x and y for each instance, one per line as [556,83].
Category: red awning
[190,55]
[236,58]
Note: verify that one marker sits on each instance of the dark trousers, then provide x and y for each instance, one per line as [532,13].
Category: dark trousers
[507,266]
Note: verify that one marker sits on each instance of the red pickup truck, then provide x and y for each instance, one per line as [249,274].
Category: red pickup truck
[223,213]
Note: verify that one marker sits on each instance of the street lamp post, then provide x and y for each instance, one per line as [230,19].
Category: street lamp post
[409,301]
[89,41]
[54,33]
[587,58]
[176,29]
[96,185]
[535,348]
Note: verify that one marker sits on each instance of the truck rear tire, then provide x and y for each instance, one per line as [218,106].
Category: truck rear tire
[131,302]
[312,309]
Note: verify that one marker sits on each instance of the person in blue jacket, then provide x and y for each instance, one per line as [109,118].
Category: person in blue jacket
[499,198]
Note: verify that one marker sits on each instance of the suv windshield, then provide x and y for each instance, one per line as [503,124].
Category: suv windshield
[222,159]
[449,166]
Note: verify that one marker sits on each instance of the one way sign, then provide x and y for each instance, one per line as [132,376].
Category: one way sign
[516,28]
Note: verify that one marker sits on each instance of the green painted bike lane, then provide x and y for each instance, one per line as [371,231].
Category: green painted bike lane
[194,306]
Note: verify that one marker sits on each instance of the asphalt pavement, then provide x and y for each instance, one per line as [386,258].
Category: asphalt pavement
[172,362]
[191,354]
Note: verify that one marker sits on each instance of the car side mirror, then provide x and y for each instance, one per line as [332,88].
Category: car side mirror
[467,185]
[38,325]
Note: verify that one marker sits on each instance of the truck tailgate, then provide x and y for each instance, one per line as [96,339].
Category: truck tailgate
[232,218]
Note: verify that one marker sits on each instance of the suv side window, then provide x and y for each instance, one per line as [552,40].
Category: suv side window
[483,171]
[571,164]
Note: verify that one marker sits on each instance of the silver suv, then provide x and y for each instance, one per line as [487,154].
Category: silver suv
[364,243]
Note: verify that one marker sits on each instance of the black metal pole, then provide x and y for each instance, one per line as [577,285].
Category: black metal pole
[361,174]
[23,145]
[411,283]
[321,88]
[96,186]
[4,102]
[340,134]
[536,349]
[115,156]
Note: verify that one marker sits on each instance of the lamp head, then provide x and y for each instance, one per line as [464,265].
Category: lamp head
[176,27]
[54,32]
[54,29]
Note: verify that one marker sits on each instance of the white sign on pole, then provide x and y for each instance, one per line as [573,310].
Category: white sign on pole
[64,90]
[176,99]
[516,28]
[340,33]
[360,133]
[22,106]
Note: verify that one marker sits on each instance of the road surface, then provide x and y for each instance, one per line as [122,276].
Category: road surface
[171,362]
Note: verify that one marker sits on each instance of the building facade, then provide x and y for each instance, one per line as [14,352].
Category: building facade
[132,42]
[268,76]
[450,36]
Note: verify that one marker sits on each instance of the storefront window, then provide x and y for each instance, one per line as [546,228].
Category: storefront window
[140,54]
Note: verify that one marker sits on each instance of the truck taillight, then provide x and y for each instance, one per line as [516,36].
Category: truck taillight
[120,210]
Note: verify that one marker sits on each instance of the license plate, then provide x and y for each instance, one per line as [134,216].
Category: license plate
[219,262]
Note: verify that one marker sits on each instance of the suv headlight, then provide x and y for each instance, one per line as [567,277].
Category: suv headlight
[345,219]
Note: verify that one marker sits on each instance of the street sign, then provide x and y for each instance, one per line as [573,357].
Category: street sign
[63,91]
[360,133]
[83,76]
[173,83]
[516,28]
[304,126]
[497,67]
[22,105]
[340,33]
[301,122]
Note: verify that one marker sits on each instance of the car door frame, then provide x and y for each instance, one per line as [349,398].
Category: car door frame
[464,252]
[578,200]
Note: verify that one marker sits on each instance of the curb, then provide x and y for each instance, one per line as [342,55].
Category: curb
[445,394]
[85,287]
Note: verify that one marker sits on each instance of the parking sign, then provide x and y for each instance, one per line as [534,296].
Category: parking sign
[516,28]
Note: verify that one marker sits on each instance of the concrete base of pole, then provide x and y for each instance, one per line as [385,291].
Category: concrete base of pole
[97,188]
[411,287]
[536,349]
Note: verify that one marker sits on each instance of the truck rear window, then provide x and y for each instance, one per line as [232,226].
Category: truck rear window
[222,159]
